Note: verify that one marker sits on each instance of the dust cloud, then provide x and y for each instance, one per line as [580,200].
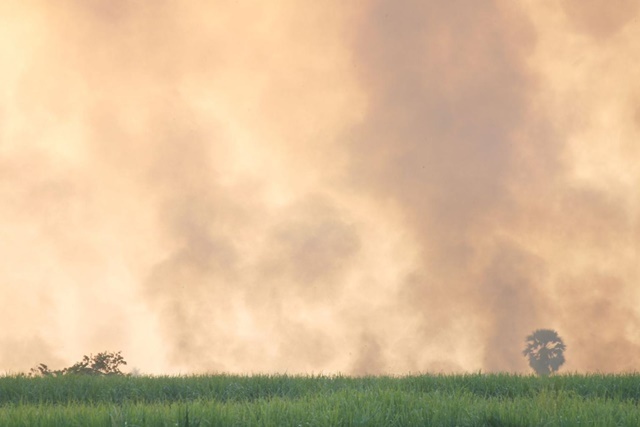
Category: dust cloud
[363,187]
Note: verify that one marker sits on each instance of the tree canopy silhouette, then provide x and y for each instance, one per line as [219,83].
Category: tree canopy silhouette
[104,363]
[545,350]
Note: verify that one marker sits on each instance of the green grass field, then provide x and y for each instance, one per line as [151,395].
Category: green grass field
[225,400]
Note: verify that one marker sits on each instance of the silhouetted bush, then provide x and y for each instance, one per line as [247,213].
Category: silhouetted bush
[105,363]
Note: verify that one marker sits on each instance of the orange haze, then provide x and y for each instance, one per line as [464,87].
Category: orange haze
[294,186]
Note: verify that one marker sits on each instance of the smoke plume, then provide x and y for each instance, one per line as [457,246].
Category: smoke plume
[366,188]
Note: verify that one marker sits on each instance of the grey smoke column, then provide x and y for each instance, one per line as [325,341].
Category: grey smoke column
[448,89]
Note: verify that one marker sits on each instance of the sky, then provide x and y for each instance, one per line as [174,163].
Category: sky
[366,187]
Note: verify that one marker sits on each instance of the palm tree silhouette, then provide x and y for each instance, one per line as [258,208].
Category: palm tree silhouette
[545,351]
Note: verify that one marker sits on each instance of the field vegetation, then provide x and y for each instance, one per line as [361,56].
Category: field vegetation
[282,400]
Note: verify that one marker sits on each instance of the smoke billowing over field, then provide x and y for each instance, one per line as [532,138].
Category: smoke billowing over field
[362,187]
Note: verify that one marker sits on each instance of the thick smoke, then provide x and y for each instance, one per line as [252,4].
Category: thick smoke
[368,188]
[448,89]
